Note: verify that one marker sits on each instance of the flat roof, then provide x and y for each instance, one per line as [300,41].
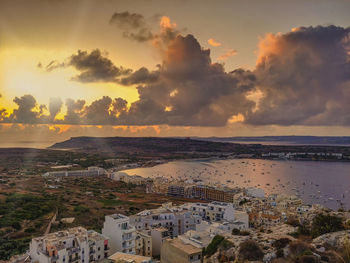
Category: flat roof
[187,248]
[127,257]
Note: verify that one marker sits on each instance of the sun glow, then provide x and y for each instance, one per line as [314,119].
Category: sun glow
[21,75]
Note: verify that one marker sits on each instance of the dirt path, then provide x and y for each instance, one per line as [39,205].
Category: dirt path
[53,219]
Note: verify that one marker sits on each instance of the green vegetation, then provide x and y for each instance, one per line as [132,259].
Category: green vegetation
[110,202]
[81,209]
[323,224]
[15,210]
[19,207]
[10,246]
[237,232]
[218,241]
[250,250]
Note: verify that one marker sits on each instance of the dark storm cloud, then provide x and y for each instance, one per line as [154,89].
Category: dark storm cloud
[74,111]
[27,111]
[133,26]
[304,76]
[190,89]
[95,68]
[141,76]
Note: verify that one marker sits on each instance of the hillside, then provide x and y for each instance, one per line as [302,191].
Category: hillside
[148,146]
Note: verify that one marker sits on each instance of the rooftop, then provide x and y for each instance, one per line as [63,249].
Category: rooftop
[187,248]
[120,257]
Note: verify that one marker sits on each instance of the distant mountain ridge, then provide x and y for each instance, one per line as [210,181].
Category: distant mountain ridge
[196,147]
[150,146]
[292,139]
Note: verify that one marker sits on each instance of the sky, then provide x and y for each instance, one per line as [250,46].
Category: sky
[173,68]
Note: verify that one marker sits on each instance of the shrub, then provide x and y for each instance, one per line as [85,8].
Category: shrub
[213,246]
[250,250]
[280,253]
[236,232]
[281,243]
[323,224]
[16,225]
[81,209]
[245,233]
[308,259]
[298,248]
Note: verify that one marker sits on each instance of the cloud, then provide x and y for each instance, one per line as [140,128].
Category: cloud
[74,111]
[227,54]
[304,77]
[197,91]
[27,111]
[301,77]
[133,26]
[93,67]
[141,76]
[213,42]
[55,106]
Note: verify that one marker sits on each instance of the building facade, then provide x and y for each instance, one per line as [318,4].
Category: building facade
[72,245]
[122,235]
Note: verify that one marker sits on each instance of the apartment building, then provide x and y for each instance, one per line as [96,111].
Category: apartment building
[91,171]
[143,243]
[122,235]
[255,192]
[177,250]
[74,245]
[176,190]
[129,179]
[175,219]
[212,193]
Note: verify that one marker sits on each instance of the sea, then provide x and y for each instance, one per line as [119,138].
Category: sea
[315,182]
[26,144]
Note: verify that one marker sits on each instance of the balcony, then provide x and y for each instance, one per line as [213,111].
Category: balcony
[126,245]
[73,250]
[129,230]
[75,259]
[53,259]
[128,237]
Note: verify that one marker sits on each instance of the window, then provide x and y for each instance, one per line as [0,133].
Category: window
[99,257]
[191,257]
[99,249]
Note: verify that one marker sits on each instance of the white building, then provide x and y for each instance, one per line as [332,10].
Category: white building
[255,192]
[91,171]
[175,219]
[121,234]
[72,245]
[159,235]
[129,179]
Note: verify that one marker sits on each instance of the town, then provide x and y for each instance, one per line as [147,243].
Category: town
[219,225]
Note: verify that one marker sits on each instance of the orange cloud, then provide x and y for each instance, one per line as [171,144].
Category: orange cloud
[213,42]
[165,23]
[229,53]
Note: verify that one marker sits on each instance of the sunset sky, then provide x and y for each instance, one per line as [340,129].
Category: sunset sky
[173,68]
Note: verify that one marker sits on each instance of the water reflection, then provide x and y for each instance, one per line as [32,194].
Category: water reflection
[326,183]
